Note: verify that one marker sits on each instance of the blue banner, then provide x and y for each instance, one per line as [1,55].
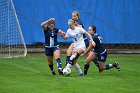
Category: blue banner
[117,21]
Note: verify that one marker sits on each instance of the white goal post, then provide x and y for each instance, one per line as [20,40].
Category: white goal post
[12,43]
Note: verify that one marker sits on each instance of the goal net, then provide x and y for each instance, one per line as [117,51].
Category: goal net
[11,39]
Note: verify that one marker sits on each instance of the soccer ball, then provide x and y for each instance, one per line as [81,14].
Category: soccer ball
[66,71]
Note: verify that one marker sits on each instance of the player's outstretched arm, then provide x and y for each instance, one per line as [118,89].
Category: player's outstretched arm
[62,33]
[93,43]
[64,36]
[88,49]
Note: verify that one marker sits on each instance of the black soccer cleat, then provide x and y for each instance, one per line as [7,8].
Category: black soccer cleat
[81,74]
[117,66]
[60,71]
[53,73]
[100,71]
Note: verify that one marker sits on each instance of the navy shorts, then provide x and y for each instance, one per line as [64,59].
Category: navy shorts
[50,50]
[101,57]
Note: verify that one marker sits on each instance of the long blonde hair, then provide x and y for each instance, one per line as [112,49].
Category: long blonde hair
[71,21]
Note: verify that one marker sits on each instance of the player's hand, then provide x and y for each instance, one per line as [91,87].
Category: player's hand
[61,33]
[52,19]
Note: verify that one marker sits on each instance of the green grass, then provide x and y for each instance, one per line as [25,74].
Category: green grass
[32,75]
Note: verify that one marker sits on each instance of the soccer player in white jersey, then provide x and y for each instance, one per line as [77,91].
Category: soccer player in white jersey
[76,18]
[76,33]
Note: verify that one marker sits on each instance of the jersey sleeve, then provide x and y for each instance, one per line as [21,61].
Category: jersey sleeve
[80,23]
[67,33]
[56,29]
[95,38]
[82,30]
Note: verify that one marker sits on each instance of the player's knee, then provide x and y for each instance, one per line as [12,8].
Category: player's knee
[87,61]
[102,68]
[77,55]
[57,56]
[69,52]
[50,62]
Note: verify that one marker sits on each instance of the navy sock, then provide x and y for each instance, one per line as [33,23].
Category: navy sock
[73,58]
[86,67]
[72,61]
[96,63]
[67,59]
[108,66]
[51,67]
[77,56]
[59,64]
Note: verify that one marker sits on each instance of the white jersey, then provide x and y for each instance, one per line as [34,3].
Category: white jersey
[77,36]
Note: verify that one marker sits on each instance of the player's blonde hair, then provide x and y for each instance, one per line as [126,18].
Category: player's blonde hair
[71,21]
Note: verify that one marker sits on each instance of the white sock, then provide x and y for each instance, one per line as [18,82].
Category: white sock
[78,69]
[72,57]
[110,65]
[68,65]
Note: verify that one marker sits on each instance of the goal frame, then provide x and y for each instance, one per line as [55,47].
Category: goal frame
[19,30]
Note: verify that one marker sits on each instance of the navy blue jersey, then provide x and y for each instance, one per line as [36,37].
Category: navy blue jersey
[79,22]
[99,48]
[86,40]
[98,37]
[51,37]
[96,34]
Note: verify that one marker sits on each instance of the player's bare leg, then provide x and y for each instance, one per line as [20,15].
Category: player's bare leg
[90,57]
[58,60]
[102,66]
[69,53]
[73,60]
[50,63]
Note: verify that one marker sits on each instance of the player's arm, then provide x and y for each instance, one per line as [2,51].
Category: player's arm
[64,36]
[62,33]
[91,40]
[89,48]
[43,25]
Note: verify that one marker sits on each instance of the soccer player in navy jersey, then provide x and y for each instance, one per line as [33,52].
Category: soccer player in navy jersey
[51,44]
[76,33]
[93,28]
[98,53]
[76,17]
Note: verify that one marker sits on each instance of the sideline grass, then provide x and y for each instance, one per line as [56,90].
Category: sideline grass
[32,75]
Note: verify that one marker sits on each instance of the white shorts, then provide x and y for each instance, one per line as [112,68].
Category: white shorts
[77,46]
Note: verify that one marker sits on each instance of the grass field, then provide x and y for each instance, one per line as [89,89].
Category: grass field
[32,75]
